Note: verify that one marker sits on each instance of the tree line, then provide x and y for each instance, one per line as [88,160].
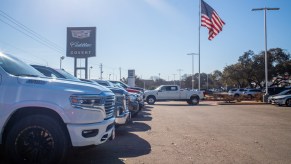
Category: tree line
[248,71]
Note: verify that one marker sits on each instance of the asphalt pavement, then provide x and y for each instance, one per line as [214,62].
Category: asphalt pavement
[174,132]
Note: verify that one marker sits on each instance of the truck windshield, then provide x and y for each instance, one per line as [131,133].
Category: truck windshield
[159,88]
[16,67]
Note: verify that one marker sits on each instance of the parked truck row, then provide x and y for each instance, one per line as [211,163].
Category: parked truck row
[45,112]
[42,117]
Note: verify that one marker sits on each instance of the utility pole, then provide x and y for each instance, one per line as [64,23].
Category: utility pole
[61,58]
[101,71]
[90,72]
[179,70]
[119,73]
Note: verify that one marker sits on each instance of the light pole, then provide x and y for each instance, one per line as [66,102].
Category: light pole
[207,81]
[109,76]
[266,56]
[61,58]
[174,78]
[192,68]
[179,70]
[90,72]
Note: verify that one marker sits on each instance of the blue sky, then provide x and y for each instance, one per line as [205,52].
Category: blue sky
[151,36]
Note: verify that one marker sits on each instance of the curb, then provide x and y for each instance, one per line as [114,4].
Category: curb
[241,103]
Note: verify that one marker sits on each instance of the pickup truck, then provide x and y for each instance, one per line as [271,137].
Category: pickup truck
[173,93]
[42,118]
[121,111]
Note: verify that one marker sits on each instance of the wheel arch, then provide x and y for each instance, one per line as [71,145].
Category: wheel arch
[194,95]
[27,111]
[286,103]
[151,96]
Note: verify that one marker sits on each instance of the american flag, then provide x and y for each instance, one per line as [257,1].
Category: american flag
[210,20]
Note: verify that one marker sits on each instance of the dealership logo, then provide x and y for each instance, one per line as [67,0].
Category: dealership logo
[81,34]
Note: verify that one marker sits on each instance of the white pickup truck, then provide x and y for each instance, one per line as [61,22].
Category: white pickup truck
[42,118]
[173,93]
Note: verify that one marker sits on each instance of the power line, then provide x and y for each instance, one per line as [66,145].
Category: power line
[8,50]
[29,33]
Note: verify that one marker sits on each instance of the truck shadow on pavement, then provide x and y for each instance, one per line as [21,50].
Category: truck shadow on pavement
[125,145]
[171,104]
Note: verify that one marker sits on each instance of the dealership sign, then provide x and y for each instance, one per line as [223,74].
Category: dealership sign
[81,42]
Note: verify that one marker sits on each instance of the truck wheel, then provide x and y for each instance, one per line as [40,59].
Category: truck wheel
[37,139]
[288,102]
[151,100]
[194,100]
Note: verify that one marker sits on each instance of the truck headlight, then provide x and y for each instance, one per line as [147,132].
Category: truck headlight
[89,102]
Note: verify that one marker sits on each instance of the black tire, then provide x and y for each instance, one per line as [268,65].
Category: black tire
[194,100]
[151,100]
[288,102]
[37,139]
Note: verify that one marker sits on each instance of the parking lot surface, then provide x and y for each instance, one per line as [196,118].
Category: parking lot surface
[174,132]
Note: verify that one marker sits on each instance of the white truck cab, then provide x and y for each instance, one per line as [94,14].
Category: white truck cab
[42,118]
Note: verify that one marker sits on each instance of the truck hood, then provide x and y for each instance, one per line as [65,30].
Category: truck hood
[281,96]
[149,91]
[65,85]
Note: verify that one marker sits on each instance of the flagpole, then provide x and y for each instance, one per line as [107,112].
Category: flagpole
[199,41]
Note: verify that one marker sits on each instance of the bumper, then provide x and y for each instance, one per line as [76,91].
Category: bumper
[91,134]
[279,102]
[121,119]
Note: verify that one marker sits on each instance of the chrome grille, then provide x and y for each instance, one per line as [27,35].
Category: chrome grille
[109,106]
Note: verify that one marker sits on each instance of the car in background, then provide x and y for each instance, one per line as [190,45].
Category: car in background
[282,100]
[126,86]
[139,92]
[251,92]
[285,92]
[236,92]
[276,90]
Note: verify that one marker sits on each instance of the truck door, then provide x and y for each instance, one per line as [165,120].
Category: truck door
[173,93]
[168,93]
[162,93]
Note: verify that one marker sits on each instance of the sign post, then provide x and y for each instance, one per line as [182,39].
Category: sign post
[81,43]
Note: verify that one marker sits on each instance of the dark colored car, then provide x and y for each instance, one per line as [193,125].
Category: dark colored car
[276,90]
[132,98]
[126,86]
[139,92]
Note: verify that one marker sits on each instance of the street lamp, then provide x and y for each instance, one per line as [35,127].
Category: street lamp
[174,78]
[266,56]
[192,68]
[61,58]
[90,72]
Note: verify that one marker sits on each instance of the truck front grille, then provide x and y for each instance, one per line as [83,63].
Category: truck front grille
[109,106]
